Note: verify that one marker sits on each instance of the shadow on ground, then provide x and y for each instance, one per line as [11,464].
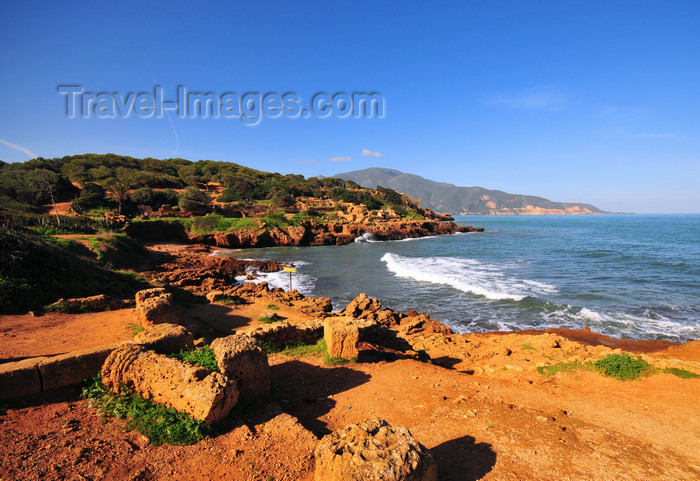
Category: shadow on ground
[302,390]
[462,459]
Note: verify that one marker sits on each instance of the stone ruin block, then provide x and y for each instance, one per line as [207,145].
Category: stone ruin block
[342,335]
[373,451]
[240,358]
[166,339]
[205,395]
[155,306]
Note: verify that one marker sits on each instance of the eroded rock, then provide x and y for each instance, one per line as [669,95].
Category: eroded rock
[155,306]
[240,358]
[165,338]
[341,335]
[205,395]
[373,451]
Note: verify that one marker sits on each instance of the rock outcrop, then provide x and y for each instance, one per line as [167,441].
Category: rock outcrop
[156,306]
[205,395]
[240,358]
[312,233]
[99,302]
[165,338]
[373,451]
[412,322]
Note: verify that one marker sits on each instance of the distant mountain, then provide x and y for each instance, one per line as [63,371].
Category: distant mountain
[444,197]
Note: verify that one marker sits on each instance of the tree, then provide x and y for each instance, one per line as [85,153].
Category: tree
[118,192]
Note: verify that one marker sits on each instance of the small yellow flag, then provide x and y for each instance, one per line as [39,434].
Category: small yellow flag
[289,269]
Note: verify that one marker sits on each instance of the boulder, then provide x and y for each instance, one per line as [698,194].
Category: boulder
[165,338]
[240,358]
[373,451]
[203,394]
[155,306]
[149,293]
[341,335]
[362,306]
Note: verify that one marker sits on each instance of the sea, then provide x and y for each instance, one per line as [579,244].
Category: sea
[632,276]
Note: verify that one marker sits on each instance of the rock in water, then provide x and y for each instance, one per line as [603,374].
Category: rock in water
[373,451]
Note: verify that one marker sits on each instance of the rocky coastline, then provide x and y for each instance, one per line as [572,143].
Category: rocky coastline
[477,405]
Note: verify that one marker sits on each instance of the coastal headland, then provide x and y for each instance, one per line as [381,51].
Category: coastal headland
[523,405]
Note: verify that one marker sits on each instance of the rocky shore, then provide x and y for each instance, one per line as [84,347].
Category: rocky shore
[479,403]
[310,233]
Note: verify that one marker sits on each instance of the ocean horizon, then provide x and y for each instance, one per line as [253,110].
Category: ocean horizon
[624,275]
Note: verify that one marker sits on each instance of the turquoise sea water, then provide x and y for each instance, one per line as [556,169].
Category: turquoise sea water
[635,276]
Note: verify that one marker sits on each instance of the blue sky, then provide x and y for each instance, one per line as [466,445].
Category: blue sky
[574,101]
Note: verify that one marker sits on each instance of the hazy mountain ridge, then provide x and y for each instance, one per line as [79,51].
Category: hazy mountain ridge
[446,197]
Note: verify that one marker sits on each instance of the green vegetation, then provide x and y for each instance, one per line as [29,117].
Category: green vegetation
[527,347]
[66,308]
[202,356]
[622,366]
[135,328]
[158,423]
[232,300]
[549,371]
[217,223]
[301,349]
[269,319]
[681,373]
[35,272]
[273,307]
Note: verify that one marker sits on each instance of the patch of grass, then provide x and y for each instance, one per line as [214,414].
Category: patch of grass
[549,371]
[527,347]
[622,366]
[232,300]
[202,356]
[67,308]
[218,223]
[269,320]
[135,328]
[681,373]
[301,349]
[157,422]
[273,307]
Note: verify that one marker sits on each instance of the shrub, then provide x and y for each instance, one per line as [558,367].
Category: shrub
[622,366]
[202,356]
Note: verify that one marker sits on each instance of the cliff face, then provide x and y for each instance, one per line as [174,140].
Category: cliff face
[332,233]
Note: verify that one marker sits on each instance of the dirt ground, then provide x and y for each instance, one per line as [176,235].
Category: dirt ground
[481,408]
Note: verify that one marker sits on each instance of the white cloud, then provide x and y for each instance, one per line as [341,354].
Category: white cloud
[340,159]
[540,98]
[28,152]
[308,161]
[369,153]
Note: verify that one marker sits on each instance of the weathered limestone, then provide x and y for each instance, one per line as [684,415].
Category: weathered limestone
[240,358]
[342,335]
[155,306]
[20,378]
[99,302]
[73,367]
[373,451]
[197,391]
[165,338]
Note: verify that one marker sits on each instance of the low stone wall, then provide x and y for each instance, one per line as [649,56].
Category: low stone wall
[32,376]
[281,333]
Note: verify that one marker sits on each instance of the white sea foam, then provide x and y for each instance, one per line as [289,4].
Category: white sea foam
[467,275]
[366,237]
[304,283]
